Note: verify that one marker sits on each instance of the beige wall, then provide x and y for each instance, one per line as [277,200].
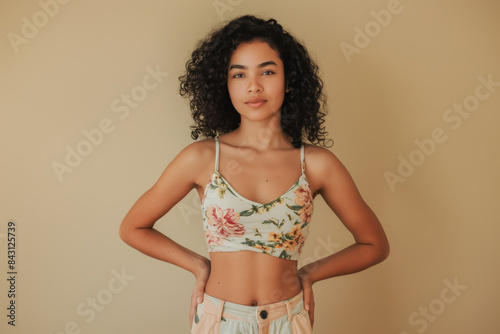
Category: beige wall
[387,92]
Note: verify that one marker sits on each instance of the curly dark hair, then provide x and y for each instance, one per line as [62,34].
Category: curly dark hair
[205,82]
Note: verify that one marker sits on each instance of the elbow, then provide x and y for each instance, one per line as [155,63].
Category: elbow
[383,251]
[124,234]
[131,235]
[379,251]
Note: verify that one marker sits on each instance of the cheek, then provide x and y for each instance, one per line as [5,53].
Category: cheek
[233,95]
[232,90]
[280,87]
[279,92]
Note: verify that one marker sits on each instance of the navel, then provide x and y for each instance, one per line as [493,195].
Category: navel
[254,303]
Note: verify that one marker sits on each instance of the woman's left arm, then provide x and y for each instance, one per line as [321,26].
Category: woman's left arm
[333,182]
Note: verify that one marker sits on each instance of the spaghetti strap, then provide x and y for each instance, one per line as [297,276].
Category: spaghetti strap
[302,159]
[216,153]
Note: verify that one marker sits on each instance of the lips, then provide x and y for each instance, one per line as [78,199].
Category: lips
[256,102]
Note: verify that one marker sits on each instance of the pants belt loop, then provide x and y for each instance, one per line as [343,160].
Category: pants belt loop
[219,312]
[289,309]
[219,316]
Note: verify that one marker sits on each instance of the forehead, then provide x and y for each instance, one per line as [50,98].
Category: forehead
[253,53]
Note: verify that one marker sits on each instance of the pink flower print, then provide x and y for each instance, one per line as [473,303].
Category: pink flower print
[225,223]
[212,240]
[304,199]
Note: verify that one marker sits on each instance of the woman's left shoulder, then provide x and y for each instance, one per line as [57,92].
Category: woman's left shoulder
[322,167]
[318,157]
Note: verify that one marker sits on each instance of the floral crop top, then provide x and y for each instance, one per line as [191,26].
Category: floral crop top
[234,223]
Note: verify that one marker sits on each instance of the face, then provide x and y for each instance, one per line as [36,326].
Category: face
[256,81]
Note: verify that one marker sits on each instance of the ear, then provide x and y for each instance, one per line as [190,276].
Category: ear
[286,88]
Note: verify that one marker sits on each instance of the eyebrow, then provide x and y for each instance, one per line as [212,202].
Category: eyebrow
[242,67]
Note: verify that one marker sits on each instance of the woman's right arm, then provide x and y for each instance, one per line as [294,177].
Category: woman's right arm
[177,180]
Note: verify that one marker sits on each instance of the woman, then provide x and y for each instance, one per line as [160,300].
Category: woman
[255,96]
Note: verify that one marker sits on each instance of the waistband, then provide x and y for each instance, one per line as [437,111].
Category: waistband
[257,314]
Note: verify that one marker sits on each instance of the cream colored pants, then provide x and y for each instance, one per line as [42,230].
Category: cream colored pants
[215,316]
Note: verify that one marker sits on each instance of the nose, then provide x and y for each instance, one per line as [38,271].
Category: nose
[254,85]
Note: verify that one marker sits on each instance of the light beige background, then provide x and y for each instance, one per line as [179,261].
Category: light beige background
[66,77]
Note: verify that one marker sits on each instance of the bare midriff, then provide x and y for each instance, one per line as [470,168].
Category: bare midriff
[252,278]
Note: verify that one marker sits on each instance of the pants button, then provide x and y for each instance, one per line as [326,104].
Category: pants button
[263,314]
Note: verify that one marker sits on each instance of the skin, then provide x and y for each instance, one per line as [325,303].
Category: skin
[260,163]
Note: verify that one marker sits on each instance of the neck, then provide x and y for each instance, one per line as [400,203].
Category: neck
[262,135]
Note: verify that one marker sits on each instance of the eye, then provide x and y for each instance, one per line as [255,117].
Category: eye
[268,72]
[238,75]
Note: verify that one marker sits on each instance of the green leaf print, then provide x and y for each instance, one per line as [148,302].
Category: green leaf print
[284,255]
[281,224]
[267,248]
[221,192]
[250,212]
[294,207]
[196,318]
[251,242]
[274,221]
[261,208]
[257,233]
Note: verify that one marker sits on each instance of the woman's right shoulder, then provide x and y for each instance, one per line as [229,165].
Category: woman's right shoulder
[200,150]
[197,159]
